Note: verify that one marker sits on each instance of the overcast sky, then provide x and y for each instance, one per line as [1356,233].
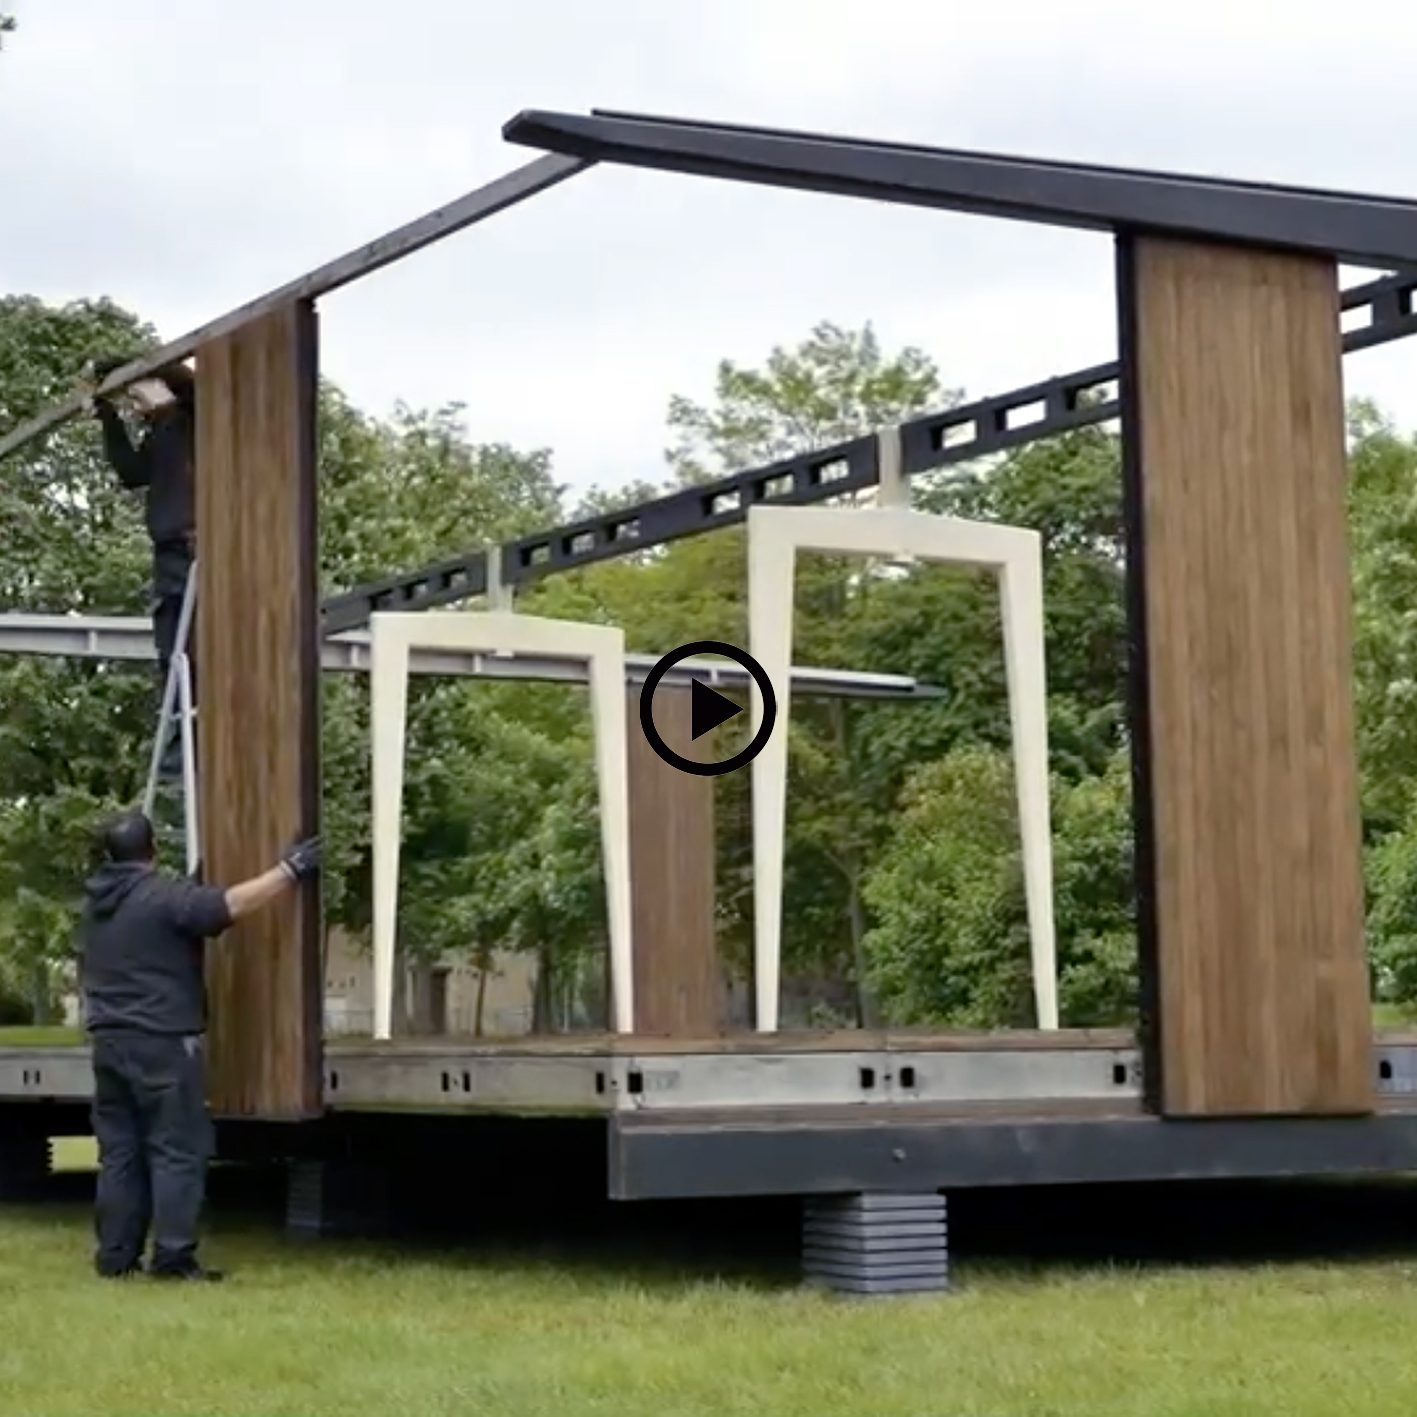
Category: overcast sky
[182,156]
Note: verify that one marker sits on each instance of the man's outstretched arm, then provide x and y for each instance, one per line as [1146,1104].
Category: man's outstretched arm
[130,463]
[209,910]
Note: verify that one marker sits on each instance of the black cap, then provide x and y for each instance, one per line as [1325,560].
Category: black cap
[102,368]
[178,378]
[128,838]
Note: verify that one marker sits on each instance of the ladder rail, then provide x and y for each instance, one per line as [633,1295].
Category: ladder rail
[190,817]
[177,705]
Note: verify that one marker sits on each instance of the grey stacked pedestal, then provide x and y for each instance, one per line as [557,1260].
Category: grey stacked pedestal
[25,1163]
[335,1198]
[876,1244]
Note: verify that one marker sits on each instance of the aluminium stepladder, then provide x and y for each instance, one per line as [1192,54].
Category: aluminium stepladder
[177,705]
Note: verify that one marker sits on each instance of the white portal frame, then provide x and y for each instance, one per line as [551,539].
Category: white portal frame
[775,535]
[392,636]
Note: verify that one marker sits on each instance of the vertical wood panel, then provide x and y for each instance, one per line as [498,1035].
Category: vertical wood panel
[1253,952]
[672,872]
[258,708]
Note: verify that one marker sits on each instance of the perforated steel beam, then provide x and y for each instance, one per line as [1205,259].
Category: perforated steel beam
[1376,312]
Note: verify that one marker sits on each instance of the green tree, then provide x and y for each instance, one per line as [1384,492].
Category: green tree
[1382,520]
[75,735]
[402,493]
[835,385]
[951,948]
[848,761]
[1069,490]
[416,489]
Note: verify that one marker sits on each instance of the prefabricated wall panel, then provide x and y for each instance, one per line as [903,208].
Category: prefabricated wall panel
[1255,985]
[678,991]
[258,703]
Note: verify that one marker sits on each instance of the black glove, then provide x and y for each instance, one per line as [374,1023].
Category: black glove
[102,368]
[302,860]
[97,371]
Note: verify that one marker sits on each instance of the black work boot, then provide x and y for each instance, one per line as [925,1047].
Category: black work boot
[190,1271]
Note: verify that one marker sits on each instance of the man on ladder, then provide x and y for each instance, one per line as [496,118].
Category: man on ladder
[163,462]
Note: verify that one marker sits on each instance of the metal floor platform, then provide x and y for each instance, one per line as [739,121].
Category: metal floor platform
[580,1075]
[752,1116]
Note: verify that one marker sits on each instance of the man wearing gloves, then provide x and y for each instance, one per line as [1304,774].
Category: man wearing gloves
[143,980]
[162,462]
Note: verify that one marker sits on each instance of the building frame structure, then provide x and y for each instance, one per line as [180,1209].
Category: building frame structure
[1254,1027]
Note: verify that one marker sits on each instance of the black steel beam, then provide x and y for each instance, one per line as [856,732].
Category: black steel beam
[652,1159]
[1358,228]
[974,430]
[506,191]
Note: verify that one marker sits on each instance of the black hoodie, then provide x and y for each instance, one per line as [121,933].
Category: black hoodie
[161,462]
[143,939]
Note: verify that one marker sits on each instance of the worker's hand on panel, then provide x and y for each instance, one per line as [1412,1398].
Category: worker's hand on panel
[303,859]
[86,389]
[95,372]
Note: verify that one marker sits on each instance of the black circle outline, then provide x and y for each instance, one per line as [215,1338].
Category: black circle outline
[760,738]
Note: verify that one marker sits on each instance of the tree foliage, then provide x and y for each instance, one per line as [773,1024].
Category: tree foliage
[75,735]
[904,897]
[835,385]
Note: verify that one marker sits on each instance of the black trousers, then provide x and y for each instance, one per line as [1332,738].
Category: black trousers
[155,1140]
[172,561]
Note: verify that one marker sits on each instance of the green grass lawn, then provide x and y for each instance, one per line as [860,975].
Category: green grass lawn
[73,1154]
[351,1329]
[41,1036]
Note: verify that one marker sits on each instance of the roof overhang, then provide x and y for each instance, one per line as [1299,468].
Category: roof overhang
[1357,229]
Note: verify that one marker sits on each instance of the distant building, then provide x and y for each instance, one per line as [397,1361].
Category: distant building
[448,999]
[449,1004]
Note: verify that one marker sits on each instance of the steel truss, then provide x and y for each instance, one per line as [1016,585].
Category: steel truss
[1376,313]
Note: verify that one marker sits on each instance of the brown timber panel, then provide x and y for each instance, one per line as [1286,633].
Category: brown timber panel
[672,872]
[258,694]
[1262,985]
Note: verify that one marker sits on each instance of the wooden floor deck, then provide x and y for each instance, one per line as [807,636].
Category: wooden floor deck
[840,1041]
[645,1045]
[960,1073]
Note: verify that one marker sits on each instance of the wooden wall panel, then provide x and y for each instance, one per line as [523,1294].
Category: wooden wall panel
[1252,934]
[672,873]
[258,702]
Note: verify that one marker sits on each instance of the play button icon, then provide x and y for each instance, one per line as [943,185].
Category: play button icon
[708,708]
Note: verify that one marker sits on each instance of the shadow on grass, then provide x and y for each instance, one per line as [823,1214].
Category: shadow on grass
[661,1244]
[754,1243]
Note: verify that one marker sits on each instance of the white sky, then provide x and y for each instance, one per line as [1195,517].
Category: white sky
[184,155]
